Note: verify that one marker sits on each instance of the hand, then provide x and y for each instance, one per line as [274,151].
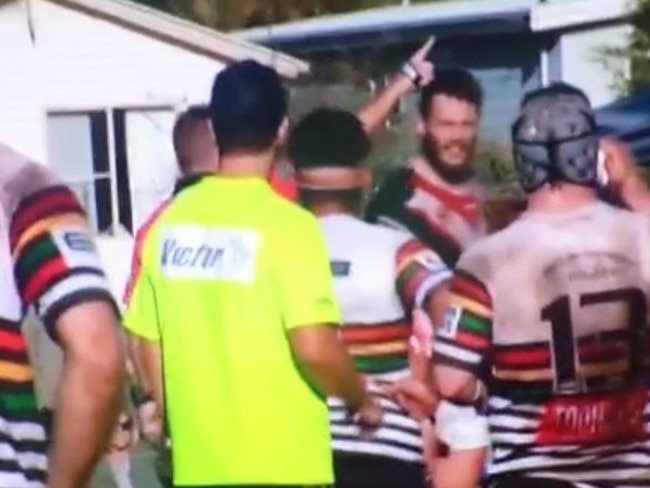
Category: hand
[619,163]
[150,422]
[125,436]
[414,397]
[369,415]
[422,66]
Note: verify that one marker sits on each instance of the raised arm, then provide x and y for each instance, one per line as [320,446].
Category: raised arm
[57,270]
[417,72]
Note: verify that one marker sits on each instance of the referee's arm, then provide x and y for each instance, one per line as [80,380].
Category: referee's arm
[311,317]
[141,323]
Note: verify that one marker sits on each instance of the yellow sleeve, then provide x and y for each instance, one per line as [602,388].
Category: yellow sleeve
[141,317]
[305,280]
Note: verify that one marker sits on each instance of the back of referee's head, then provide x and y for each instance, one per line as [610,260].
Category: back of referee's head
[248,108]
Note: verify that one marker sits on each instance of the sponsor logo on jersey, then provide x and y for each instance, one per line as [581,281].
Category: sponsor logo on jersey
[594,419]
[449,326]
[78,241]
[203,253]
[340,269]
[76,246]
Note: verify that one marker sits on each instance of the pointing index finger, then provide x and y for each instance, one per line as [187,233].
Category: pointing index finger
[424,50]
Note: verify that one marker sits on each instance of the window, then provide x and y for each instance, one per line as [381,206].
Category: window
[120,167]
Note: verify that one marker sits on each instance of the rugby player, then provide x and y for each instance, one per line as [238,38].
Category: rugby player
[435,197]
[381,275]
[197,156]
[51,264]
[548,318]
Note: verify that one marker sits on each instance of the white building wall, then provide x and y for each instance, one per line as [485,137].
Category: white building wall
[583,67]
[81,62]
[21,123]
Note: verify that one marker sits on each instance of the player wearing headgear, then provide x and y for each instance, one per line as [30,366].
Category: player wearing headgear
[381,275]
[550,316]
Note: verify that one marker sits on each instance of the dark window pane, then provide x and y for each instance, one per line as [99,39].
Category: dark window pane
[99,135]
[103,203]
[122,171]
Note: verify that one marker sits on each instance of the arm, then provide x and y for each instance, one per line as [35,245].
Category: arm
[463,340]
[141,323]
[377,111]
[461,352]
[325,361]
[311,314]
[58,271]
[420,279]
[89,396]
[460,469]
[136,346]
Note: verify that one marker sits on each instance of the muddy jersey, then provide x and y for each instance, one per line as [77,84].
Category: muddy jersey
[49,262]
[380,276]
[411,200]
[552,314]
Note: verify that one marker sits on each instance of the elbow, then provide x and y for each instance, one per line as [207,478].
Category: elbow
[452,383]
[104,370]
[310,357]
[449,390]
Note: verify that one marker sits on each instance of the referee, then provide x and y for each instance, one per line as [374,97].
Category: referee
[235,305]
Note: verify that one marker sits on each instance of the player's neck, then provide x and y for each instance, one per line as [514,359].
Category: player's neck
[246,164]
[327,209]
[561,199]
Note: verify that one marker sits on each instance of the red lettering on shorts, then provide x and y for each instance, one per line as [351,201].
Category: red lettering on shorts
[594,419]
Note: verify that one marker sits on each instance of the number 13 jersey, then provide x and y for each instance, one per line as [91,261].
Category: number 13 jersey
[552,314]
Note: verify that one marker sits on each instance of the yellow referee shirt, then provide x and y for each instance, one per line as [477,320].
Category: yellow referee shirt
[227,270]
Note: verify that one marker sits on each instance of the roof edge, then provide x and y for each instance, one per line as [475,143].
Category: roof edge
[563,15]
[211,42]
[386,18]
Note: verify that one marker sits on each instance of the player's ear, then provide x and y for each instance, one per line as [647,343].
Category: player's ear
[283,131]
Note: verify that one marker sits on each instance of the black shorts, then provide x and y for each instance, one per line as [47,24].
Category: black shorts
[365,471]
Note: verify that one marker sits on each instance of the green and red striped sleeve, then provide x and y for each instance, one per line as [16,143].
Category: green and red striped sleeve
[419,271]
[56,265]
[464,339]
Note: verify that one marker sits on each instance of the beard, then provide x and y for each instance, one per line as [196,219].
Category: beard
[452,174]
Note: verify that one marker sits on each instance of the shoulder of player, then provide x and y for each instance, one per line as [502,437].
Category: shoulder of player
[478,258]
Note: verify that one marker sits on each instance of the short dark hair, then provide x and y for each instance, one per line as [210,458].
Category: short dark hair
[247,107]
[192,138]
[328,137]
[453,82]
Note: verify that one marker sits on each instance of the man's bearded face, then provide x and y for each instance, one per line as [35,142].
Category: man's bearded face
[449,139]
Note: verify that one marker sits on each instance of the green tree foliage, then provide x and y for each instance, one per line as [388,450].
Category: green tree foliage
[237,14]
[631,62]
